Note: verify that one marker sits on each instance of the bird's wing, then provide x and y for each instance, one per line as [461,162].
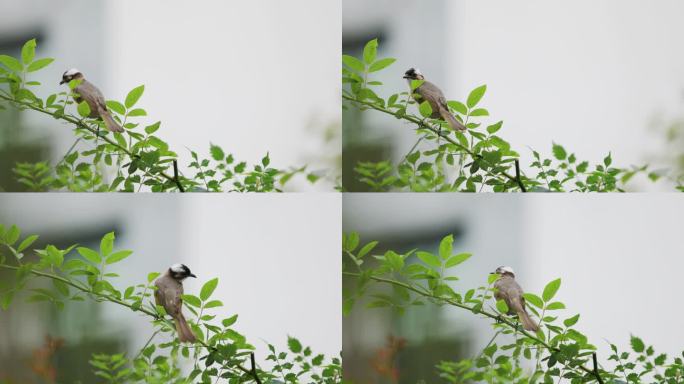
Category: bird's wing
[94,92]
[434,93]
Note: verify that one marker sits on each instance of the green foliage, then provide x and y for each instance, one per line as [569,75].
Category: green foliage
[558,352]
[138,158]
[479,159]
[221,352]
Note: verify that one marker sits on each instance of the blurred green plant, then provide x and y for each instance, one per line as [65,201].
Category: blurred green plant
[220,352]
[471,161]
[137,157]
[557,351]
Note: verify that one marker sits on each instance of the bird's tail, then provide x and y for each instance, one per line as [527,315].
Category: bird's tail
[526,321]
[449,118]
[109,121]
[185,334]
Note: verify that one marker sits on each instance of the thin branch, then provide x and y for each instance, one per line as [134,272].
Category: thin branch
[175,176]
[596,371]
[517,176]
[254,372]
[475,310]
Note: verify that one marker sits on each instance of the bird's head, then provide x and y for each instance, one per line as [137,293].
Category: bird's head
[180,272]
[413,74]
[71,74]
[504,270]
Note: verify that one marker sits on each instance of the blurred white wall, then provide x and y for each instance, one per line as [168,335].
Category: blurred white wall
[251,76]
[275,256]
[594,77]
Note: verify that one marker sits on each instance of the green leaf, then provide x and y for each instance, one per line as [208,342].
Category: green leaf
[370,51]
[608,160]
[118,256]
[208,288]
[12,235]
[425,109]
[213,304]
[294,344]
[28,51]
[107,244]
[495,127]
[351,62]
[192,300]
[137,112]
[352,241]
[569,322]
[115,106]
[150,129]
[458,107]
[152,275]
[559,152]
[479,112]
[134,95]
[533,299]
[446,246]
[555,305]
[501,306]
[637,344]
[381,64]
[89,255]
[366,249]
[83,109]
[429,259]
[551,289]
[457,259]
[11,63]
[27,242]
[216,152]
[229,321]
[476,95]
[39,64]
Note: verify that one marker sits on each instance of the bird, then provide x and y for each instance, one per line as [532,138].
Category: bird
[93,96]
[430,92]
[508,290]
[168,295]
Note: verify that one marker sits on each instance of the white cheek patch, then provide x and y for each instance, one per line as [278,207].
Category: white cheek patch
[418,72]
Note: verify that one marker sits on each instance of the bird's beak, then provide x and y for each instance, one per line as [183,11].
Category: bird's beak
[192,275]
[406,77]
[62,82]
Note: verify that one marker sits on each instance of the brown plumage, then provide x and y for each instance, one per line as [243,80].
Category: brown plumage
[430,92]
[94,97]
[168,295]
[508,290]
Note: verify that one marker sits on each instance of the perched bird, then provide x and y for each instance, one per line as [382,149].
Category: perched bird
[508,290]
[168,295]
[92,95]
[434,96]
